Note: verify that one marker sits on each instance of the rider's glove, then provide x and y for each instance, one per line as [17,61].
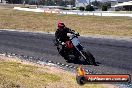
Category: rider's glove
[77,34]
[63,43]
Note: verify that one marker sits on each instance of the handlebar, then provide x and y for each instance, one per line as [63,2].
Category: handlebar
[77,34]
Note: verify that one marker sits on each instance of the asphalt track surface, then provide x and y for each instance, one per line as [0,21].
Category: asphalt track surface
[114,56]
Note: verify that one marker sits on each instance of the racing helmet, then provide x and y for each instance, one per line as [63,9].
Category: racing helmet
[61,25]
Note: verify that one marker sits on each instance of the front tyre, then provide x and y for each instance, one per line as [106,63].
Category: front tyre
[89,57]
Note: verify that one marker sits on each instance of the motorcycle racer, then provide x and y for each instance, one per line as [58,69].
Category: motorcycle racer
[69,45]
[61,33]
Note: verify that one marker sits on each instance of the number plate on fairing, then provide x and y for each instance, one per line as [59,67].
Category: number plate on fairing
[75,41]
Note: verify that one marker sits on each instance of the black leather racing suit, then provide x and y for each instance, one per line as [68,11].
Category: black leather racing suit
[61,34]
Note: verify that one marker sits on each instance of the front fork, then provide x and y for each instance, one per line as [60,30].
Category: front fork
[80,50]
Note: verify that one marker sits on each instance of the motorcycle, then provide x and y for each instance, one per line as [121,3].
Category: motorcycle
[73,50]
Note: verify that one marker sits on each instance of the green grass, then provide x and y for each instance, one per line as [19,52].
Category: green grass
[13,74]
[16,74]
[30,21]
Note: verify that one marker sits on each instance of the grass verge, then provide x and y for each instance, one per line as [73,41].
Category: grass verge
[20,74]
[14,74]
[30,21]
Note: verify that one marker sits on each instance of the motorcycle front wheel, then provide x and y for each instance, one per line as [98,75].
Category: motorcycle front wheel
[89,57]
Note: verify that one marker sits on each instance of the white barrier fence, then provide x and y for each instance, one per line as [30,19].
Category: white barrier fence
[84,13]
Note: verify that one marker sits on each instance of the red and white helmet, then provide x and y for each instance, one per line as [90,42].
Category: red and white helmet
[61,25]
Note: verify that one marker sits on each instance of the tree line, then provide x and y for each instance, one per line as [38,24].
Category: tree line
[43,2]
[104,6]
